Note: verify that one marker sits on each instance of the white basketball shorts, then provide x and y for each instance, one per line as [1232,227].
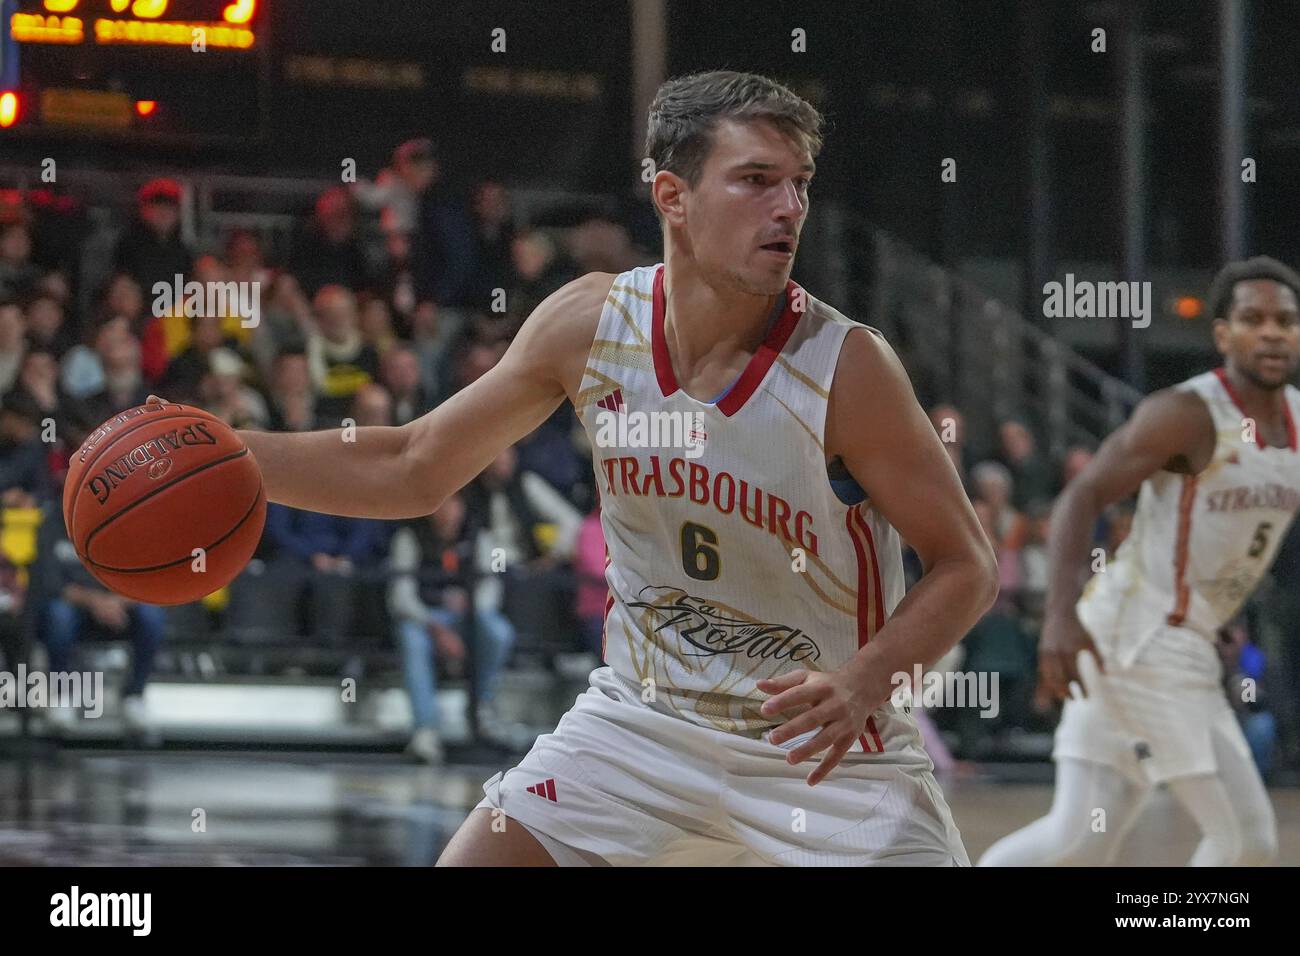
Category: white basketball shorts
[1153,720]
[622,783]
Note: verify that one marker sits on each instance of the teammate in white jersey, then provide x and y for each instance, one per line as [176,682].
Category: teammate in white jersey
[1219,471]
[757,620]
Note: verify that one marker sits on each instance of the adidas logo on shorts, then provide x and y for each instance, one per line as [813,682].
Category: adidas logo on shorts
[544,789]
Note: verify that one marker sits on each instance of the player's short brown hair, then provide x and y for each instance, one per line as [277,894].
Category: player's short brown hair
[686,110]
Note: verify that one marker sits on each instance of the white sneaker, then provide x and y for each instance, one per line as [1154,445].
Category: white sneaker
[426,746]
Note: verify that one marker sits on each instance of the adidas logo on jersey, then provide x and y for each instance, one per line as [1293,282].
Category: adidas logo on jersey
[613,401]
[544,789]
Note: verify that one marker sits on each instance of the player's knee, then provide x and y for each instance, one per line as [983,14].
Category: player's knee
[489,838]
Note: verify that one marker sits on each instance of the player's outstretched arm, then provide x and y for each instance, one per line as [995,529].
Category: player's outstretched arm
[409,470]
[875,425]
[1170,430]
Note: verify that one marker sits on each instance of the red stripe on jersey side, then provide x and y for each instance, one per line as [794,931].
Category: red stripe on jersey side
[1182,595]
[864,581]
[868,584]
[759,363]
[550,789]
[876,591]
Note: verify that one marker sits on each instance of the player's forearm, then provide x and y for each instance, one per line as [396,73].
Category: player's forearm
[935,614]
[366,477]
[1073,519]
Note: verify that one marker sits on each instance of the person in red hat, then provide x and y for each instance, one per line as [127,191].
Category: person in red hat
[151,249]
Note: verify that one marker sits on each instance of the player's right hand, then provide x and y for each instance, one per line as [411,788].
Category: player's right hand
[1062,638]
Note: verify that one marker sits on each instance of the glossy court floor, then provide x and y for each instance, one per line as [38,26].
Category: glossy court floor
[131,808]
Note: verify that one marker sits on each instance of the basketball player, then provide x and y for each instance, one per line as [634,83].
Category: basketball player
[1219,472]
[756,616]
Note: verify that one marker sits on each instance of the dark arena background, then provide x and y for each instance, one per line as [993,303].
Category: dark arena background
[400,182]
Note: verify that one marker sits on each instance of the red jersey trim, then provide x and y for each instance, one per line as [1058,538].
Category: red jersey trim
[1222,374]
[759,363]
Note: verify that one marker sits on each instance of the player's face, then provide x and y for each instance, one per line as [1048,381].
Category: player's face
[1261,335]
[744,217]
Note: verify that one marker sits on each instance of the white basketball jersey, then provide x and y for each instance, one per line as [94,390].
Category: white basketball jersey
[1201,543]
[730,557]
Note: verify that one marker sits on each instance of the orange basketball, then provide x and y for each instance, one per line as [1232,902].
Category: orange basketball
[164,503]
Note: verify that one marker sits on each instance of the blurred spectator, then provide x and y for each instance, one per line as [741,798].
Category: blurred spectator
[12,344]
[549,452]
[46,326]
[428,599]
[600,244]
[530,528]
[38,380]
[328,250]
[992,484]
[397,285]
[541,268]
[397,189]
[339,359]
[243,252]
[121,298]
[151,250]
[399,372]
[443,253]
[1034,564]
[1030,471]
[293,400]
[118,354]
[286,323]
[75,606]
[494,230]
[178,327]
[376,325]
[180,382]
[224,393]
[24,458]
[318,555]
[18,274]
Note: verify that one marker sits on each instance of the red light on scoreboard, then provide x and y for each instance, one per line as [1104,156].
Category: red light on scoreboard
[145,107]
[9,104]
[1188,306]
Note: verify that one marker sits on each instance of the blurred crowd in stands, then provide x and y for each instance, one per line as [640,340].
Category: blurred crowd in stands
[395,293]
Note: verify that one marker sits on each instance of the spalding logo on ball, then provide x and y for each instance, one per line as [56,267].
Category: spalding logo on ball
[164,503]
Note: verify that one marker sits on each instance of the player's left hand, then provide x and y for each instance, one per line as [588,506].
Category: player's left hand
[831,701]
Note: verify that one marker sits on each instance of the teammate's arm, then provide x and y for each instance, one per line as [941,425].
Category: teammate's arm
[1170,430]
[875,425]
[409,470]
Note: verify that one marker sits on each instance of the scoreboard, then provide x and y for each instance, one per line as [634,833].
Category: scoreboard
[134,69]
